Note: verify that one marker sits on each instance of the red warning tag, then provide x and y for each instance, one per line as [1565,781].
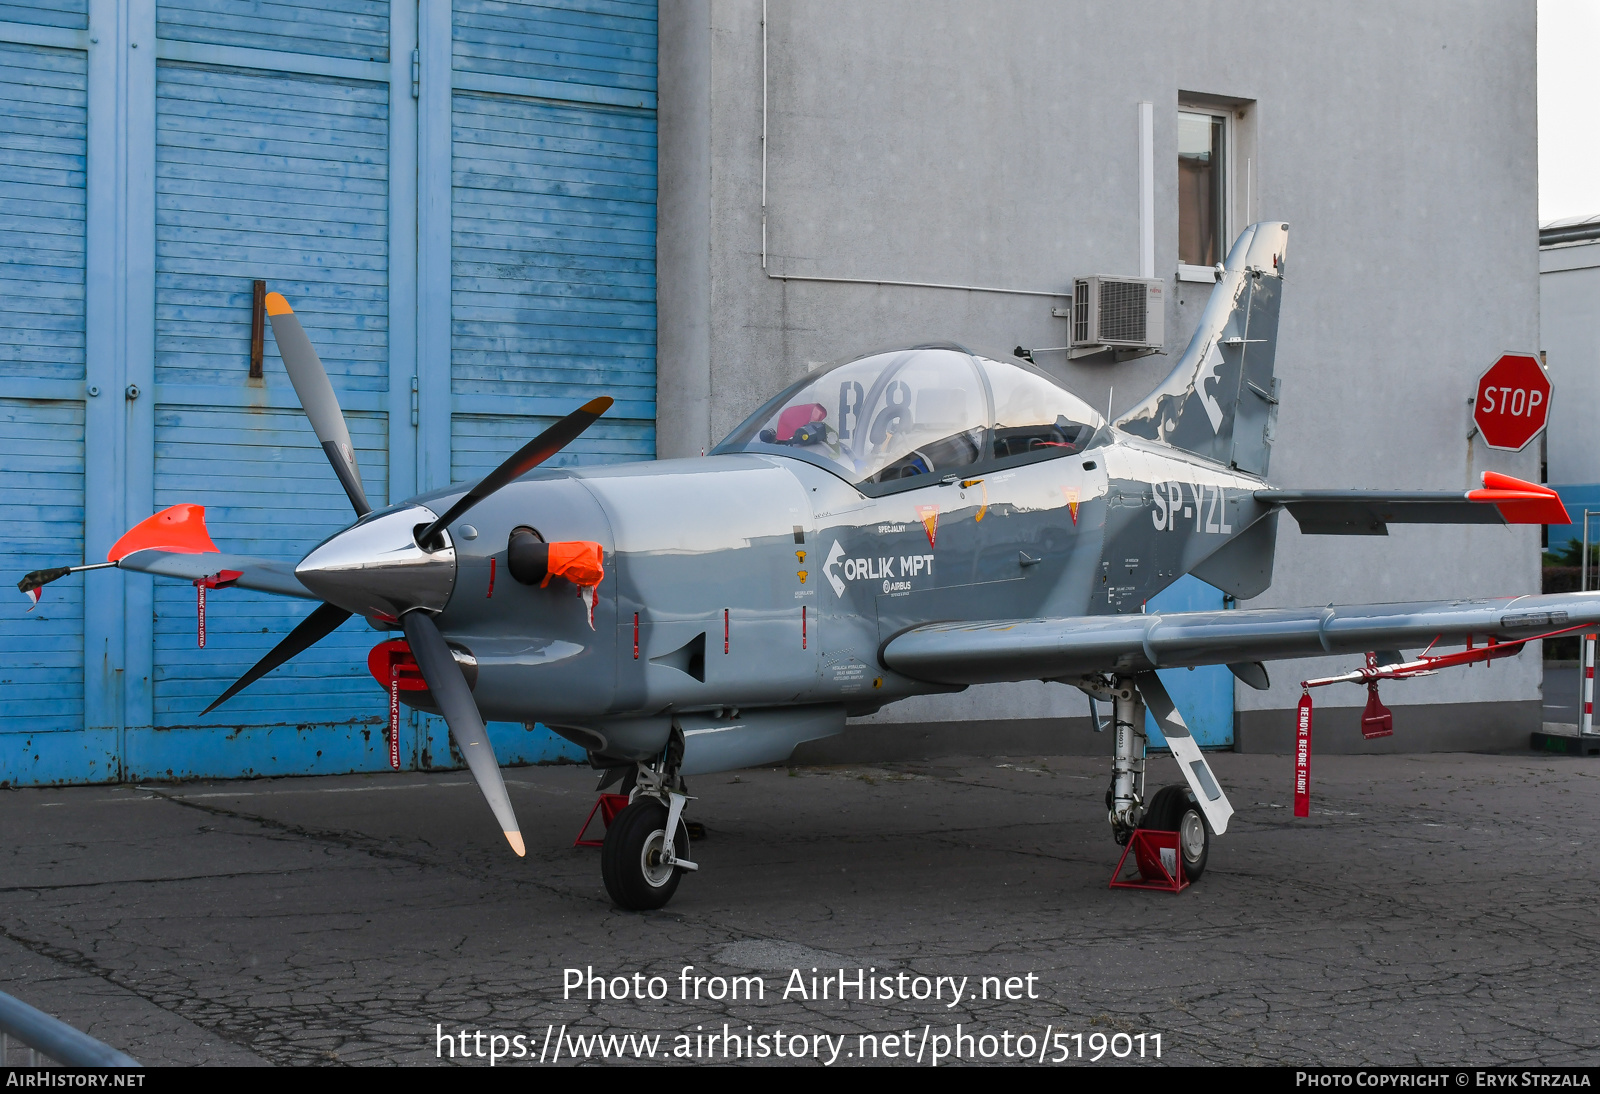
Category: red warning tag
[222,579]
[394,716]
[1302,758]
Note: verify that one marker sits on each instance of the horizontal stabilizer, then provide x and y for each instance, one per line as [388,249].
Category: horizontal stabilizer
[1503,500]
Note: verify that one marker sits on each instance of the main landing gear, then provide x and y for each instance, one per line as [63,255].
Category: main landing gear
[1173,808]
[646,850]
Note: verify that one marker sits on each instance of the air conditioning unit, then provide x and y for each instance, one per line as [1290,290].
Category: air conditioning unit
[1119,312]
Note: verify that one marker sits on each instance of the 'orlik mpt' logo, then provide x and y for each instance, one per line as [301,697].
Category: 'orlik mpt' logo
[827,568]
[895,571]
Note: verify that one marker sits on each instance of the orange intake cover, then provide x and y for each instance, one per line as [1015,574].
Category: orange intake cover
[580,561]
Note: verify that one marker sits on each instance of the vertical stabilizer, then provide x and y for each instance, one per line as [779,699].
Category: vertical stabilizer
[1221,399]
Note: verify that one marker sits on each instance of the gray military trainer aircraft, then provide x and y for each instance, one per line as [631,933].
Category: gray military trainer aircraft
[905,522]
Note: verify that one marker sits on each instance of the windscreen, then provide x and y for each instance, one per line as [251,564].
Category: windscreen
[1034,416]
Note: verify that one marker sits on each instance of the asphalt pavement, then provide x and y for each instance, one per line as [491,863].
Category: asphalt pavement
[1561,693]
[1433,909]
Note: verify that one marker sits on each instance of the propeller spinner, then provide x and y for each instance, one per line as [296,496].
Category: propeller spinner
[399,564]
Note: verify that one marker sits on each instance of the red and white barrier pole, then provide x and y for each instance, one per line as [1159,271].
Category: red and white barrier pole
[1586,647]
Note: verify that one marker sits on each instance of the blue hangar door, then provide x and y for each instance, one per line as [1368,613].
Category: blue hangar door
[43,127]
[1204,696]
[459,202]
[552,288]
[284,177]
[553,229]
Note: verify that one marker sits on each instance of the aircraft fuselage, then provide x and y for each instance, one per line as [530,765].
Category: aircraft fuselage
[736,583]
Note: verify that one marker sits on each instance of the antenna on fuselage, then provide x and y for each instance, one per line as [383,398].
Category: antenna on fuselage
[1109,394]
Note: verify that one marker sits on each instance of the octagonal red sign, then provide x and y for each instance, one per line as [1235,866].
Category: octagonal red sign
[1513,402]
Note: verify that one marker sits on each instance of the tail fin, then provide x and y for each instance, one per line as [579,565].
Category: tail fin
[1221,399]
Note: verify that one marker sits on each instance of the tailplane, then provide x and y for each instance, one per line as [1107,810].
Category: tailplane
[1221,399]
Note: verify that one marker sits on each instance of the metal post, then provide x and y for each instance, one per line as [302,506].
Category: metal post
[49,1040]
[1583,558]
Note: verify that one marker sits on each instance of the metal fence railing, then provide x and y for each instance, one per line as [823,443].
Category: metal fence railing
[31,1038]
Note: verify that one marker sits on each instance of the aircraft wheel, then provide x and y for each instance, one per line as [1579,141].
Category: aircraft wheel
[630,859]
[1174,809]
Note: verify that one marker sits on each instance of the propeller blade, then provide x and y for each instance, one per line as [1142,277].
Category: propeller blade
[525,459]
[311,630]
[449,687]
[311,384]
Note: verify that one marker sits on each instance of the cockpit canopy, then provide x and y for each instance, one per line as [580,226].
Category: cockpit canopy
[928,410]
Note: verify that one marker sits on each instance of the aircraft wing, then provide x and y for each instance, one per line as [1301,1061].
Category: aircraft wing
[1063,648]
[263,574]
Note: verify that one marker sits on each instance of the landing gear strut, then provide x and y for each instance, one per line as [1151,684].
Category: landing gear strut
[646,850]
[1125,806]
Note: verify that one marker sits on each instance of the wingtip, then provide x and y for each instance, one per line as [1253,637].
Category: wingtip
[178,528]
[515,839]
[277,305]
[598,406]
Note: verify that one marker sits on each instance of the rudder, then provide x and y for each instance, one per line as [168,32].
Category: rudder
[1220,400]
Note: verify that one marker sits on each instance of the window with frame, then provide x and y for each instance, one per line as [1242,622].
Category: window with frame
[1202,187]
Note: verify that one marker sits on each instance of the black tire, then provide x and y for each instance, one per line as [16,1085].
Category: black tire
[1174,809]
[629,862]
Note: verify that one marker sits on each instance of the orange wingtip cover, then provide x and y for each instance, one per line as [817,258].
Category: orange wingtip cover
[1521,502]
[181,529]
[1493,480]
[277,305]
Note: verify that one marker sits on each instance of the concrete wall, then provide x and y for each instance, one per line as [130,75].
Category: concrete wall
[997,145]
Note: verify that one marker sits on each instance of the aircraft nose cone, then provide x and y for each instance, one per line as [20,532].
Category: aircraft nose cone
[375,567]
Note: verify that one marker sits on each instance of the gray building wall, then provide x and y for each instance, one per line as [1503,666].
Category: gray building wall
[1569,290]
[998,145]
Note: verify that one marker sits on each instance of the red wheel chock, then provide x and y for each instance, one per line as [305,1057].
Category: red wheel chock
[608,806]
[1159,860]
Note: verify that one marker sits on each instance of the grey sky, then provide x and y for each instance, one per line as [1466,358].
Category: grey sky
[1569,109]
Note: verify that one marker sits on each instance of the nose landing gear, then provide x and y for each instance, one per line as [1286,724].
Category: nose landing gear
[640,865]
[646,849]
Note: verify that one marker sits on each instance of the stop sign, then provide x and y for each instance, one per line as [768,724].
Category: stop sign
[1513,402]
